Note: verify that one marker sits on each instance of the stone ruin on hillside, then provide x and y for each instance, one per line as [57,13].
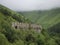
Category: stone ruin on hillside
[25,26]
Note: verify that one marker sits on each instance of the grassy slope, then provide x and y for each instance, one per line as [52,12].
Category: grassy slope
[46,18]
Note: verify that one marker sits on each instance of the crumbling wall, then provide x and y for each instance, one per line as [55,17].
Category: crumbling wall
[17,25]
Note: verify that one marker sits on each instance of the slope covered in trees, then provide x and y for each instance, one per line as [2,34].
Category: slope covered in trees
[10,36]
[46,18]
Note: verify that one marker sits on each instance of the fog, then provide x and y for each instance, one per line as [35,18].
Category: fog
[29,5]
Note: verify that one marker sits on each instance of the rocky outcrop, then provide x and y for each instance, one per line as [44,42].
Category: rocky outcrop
[17,25]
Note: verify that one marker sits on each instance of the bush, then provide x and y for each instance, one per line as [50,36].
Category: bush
[3,40]
[51,42]
[19,42]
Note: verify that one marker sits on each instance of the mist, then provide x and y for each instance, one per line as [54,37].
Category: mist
[29,5]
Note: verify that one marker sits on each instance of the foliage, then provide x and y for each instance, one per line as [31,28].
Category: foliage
[46,18]
[10,36]
[3,40]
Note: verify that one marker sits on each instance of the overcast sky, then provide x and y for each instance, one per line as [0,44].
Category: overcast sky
[28,5]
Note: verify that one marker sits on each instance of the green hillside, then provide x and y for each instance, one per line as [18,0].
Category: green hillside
[8,13]
[46,18]
[54,29]
[10,36]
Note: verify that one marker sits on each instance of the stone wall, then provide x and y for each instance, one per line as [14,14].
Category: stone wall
[17,25]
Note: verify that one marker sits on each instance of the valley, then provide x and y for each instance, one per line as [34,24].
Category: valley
[48,19]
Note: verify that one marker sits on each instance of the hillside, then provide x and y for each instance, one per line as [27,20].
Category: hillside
[55,29]
[10,36]
[7,33]
[46,18]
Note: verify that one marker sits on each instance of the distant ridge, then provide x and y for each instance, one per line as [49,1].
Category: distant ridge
[46,18]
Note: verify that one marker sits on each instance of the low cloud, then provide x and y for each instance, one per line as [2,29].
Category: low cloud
[28,5]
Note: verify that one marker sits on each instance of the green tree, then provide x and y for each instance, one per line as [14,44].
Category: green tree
[3,40]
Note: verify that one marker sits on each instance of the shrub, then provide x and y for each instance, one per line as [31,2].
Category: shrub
[3,40]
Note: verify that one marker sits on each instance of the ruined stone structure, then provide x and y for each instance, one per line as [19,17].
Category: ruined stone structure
[17,25]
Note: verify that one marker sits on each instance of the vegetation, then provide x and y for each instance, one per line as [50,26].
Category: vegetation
[46,18]
[10,36]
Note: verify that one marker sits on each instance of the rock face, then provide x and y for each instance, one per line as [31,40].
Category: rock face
[17,25]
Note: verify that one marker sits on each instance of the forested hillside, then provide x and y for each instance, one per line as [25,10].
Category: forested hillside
[10,36]
[46,18]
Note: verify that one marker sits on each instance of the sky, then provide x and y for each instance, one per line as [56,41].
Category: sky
[29,5]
